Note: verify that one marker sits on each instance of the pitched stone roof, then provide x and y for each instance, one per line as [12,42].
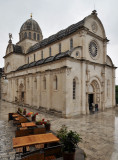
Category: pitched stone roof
[17,49]
[58,36]
[46,60]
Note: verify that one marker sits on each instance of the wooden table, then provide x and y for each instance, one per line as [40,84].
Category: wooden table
[34,139]
[17,118]
[28,124]
[15,115]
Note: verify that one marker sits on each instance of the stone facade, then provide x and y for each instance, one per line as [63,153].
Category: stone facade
[1,70]
[66,72]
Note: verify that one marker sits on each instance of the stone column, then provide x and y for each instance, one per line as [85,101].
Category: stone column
[38,91]
[103,92]
[30,90]
[83,87]
[113,88]
[64,92]
[49,87]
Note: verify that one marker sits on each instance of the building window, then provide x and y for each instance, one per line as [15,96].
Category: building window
[29,35]
[74,89]
[59,47]
[25,35]
[38,37]
[28,60]
[34,57]
[77,54]
[41,54]
[50,51]
[71,43]
[44,83]
[34,36]
[55,83]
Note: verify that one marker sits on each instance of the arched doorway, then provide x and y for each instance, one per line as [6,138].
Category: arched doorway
[94,94]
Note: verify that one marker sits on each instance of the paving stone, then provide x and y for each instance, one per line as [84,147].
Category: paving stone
[99,131]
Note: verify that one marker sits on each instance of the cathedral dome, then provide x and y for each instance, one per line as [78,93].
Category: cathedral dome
[30,30]
[31,25]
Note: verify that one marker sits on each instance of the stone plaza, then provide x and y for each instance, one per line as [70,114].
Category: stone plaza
[99,131]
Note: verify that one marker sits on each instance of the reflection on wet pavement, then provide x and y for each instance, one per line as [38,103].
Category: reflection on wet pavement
[99,132]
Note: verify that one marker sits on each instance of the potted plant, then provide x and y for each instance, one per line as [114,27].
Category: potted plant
[34,116]
[24,112]
[19,110]
[69,140]
[47,125]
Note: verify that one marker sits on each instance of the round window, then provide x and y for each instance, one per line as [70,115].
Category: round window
[93,49]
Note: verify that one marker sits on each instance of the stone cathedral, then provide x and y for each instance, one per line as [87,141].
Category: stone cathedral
[65,72]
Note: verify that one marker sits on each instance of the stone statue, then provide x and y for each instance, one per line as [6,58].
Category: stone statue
[10,36]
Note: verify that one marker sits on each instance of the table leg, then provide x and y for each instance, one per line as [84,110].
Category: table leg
[24,149]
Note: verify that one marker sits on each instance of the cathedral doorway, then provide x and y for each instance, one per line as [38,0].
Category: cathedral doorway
[94,95]
[90,101]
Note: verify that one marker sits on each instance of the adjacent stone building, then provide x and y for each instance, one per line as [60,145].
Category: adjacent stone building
[65,72]
[1,71]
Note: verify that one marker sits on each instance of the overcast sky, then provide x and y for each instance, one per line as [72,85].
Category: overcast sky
[54,15]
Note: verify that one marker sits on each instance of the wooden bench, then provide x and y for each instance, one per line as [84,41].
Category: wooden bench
[53,152]
[50,153]
[34,156]
[27,132]
[39,130]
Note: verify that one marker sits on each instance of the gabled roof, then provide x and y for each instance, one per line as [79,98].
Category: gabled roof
[58,36]
[46,60]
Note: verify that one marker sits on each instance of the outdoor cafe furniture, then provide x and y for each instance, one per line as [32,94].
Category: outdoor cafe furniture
[28,124]
[33,140]
[50,153]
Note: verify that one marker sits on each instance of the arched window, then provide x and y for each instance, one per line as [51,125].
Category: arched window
[71,43]
[74,89]
[38,37]
[28,60]
[41,54]
[50,51]
[55,83]
[29,35]
[34,36]
[44,83]
[25,35]
[34,57]
[59,47]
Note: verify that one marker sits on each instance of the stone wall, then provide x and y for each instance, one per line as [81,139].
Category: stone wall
[0,80]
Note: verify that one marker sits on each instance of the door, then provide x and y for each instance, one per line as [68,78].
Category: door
[90,101]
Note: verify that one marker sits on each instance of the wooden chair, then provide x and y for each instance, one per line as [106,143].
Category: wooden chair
[34,156]
[51,153]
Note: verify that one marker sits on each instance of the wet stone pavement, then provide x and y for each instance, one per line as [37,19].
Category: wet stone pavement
[99,132]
